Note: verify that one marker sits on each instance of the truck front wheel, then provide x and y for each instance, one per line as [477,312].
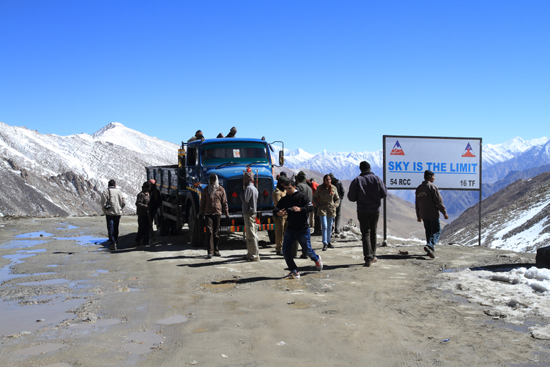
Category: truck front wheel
[196,228]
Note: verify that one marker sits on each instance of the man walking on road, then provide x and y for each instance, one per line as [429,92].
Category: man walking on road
[428,204]
[367,190]
[249,198]
[112,203]
[297,206]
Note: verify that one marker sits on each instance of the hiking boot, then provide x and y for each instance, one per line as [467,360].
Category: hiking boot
[330,245]
[292,275]
[429,252]
[319,264]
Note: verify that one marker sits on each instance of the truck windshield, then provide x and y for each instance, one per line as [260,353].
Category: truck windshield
[237,152]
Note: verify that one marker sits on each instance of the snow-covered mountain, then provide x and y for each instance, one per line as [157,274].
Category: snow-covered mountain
[46,174]
[515,218]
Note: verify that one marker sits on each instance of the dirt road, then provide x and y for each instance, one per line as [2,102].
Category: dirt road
[167,305]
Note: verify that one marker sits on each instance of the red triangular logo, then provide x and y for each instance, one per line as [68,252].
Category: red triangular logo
[397,150]
[468,152]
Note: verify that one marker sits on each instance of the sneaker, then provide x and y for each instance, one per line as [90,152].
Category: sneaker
[319,264]
[374,260]
[330,245]
[303,256]
[209,256]
[367,263]
[112,247]
[279,253]
[429,252]
[293,275]
[217,254]
[324,247]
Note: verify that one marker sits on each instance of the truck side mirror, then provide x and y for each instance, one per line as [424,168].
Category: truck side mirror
[281,158]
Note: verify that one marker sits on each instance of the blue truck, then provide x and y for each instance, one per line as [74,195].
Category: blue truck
[181,185]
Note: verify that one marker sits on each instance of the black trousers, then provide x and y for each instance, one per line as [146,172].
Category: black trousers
[368,222]
[144,228]
[212,223]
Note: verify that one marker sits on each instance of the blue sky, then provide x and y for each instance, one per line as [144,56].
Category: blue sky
[335,75]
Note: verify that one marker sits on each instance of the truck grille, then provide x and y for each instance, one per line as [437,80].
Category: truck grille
[235,187]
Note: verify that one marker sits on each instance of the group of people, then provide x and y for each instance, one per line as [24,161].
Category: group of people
[199,136]
[147,203]
[295,203]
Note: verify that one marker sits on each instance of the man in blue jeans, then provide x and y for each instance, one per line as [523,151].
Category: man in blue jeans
[297,206]
[428,204]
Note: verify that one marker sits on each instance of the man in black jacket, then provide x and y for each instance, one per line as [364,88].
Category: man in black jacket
[297,206]
[367,190]
[428,204]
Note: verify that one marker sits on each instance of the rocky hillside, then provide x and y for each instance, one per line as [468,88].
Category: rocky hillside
[515,218]
[45,174]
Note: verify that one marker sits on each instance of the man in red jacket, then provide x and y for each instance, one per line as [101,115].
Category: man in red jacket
[428,204]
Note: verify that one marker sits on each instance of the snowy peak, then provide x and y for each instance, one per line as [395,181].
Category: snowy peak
[118,134]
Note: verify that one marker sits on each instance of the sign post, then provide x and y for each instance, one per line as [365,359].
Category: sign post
[455,161]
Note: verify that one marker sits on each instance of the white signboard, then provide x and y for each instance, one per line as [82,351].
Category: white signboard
[456,162]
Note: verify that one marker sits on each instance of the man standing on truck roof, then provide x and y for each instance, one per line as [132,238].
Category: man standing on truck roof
[249,198]
[428,204]
[232,132]
[112,203]
[213,203]
[297,206]
[198,136]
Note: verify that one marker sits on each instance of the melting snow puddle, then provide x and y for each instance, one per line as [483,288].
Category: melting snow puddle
[34,235]
[17,258]
[100,271]
[22,244]
[142,342]
[93,327]
[39,349]
[68,226]
[176,319]
[15,318]
[85,240]
[46,282]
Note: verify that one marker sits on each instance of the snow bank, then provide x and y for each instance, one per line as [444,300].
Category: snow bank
[514,295]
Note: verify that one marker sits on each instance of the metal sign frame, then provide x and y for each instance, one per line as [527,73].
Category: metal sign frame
[466,188]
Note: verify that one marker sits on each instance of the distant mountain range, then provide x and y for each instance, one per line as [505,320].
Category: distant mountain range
[498,159]
[501,164]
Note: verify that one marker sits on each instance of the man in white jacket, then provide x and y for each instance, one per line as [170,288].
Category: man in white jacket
[112,203]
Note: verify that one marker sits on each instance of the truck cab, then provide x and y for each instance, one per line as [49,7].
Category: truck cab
[181,185]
